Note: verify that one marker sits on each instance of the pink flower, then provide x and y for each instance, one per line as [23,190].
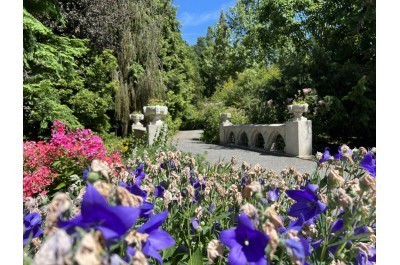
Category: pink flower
[81,145]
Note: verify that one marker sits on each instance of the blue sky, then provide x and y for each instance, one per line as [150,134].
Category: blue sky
[197,15]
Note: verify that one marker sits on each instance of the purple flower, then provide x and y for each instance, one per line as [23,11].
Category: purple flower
[246,244]
[369,164]
[340,153]
[195,223]
[273,194]
[159,191]
[146,210]
[307,203]
[139,174]
[134,189]
[365,259]
[326,156]
[299,249]
[112,221]
[298,224]
[85,173]
[317,243]
[32,223]
[336,226]
[158,239]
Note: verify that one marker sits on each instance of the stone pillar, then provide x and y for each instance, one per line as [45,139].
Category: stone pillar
[224,122]
[156,115]
[137,128]
[298,138]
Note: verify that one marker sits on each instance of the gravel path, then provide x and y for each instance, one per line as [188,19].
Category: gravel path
[188,141]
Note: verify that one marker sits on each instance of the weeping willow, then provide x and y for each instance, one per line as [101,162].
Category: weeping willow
[139,75]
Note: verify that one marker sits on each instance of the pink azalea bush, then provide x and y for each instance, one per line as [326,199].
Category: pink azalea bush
[67,151]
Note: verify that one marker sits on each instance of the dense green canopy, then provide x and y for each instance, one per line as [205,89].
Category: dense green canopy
[92,63]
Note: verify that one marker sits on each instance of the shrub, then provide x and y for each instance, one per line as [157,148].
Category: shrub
[49,165]
[211,120]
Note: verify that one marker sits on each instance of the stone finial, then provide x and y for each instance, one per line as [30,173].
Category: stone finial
[298,111]
[225,118]
[136,117]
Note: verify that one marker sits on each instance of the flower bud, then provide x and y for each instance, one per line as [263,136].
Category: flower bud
[273,217]
[368,183]
[344,200]
[214,250]
[334,179]
[93,177]
[270,230]
[251,212]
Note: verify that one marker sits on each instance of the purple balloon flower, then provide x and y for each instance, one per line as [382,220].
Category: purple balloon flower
[158,239]
[112,221]
[246,244]
[299,249]
[340,153]
[369,164]
[159,191]
[139,174]
[365,259]
[32,223]
[134,189]
[326,156]
[307,203]
[273,194]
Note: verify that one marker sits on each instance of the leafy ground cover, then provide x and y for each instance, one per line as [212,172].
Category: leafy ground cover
[163,206]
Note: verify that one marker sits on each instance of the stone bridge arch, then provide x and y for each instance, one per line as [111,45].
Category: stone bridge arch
[231,138]
[243,138]
[272,139]
[258,139]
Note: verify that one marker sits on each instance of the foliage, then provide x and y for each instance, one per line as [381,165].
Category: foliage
[59,84]
[329,47]
[211,120]
[198,213]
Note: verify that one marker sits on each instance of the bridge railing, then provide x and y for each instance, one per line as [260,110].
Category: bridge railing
[296,133]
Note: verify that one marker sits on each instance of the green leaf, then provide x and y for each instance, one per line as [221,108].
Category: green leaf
[168,253]
[61,185]
[196,258]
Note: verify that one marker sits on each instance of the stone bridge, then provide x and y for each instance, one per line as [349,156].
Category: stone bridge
[296,133]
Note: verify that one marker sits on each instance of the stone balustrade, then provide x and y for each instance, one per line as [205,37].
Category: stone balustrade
[296,133]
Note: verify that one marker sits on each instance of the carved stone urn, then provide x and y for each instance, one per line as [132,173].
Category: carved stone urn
[136,117]
[156,114]
[298,111]
[225,118]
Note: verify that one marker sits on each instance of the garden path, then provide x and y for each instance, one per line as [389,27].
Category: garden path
[188,141]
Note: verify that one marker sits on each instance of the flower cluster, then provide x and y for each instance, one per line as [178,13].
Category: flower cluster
[65,151]
[224,213]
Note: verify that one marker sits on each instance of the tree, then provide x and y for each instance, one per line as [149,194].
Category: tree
[59,74]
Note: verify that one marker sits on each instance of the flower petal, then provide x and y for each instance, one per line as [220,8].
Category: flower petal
[245,222]
[150,251]
[107,233]
[300,195]
[159,239]
[300,208]
[92,203]
[228,237]
[118,218]
[236,256]
[154,222]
